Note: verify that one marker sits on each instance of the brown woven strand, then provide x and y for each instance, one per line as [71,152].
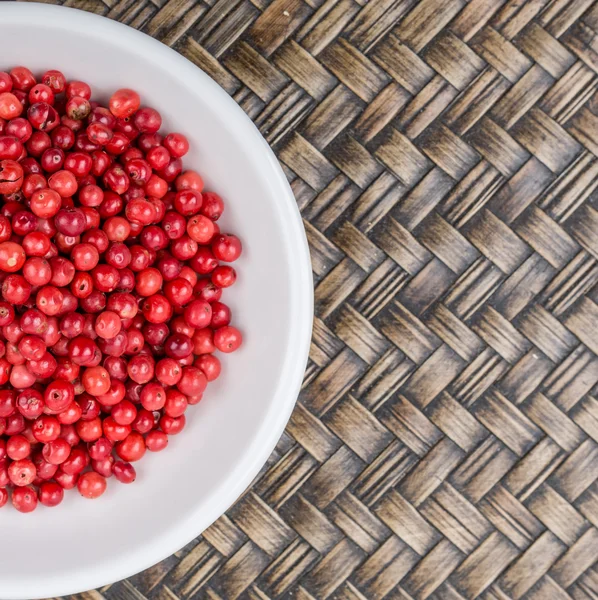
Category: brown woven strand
[444,156]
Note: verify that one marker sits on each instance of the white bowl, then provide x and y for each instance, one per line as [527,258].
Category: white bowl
[84,544]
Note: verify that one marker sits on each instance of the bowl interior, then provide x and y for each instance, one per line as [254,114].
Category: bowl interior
[179,492]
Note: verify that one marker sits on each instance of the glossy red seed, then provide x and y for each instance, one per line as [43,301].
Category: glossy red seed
[124,102]
[91,485]
[56,451]
[227,339]
[124,471]
[132,448]
[24,499]
[51,493]
[111,253]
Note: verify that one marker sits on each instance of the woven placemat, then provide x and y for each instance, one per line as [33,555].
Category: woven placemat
[443,154]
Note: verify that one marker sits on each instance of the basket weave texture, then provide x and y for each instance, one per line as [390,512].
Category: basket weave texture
[444,157]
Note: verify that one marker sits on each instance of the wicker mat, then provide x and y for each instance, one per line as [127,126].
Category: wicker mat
[443,154]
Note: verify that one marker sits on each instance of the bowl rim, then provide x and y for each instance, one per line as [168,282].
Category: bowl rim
[264,440]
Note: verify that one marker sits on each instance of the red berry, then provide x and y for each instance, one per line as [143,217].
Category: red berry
[193,382]
[91,485]
[54,80]
[156,441]
[124,472]
[24,499]
[189,180]
[226,247]
[172,425]
[210,365]
[227,339]
[58,395]
[51,493]
[10,107]
[110,283]
[18,447]
[78,88]
[124,102]
[22,472]
[12,255]
[56,451]
[132,448]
